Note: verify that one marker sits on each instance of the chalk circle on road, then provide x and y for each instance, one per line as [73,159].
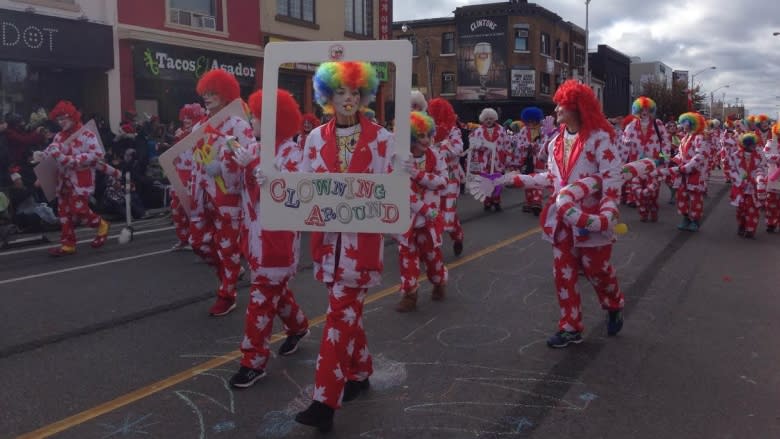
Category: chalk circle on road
[471,336]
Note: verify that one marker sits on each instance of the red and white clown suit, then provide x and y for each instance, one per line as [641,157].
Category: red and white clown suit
[589,151]
[215,188]
[488,153]
[628,153]
[190,115]
[772,156]
[748,174]
[763,128]
[532,141]
[77,157]
[691,162]
[449,145]
[272,255]
[310,121]
[728,147]
[347,263]
[648,137]
[428,174]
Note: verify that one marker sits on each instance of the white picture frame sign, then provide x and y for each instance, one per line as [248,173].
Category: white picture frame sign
[772,186]
[236,108]
[47,171]
[289,201]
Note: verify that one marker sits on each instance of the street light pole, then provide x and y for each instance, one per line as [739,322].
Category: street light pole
[712,97]
[587,36]
[406,28]
[690,89]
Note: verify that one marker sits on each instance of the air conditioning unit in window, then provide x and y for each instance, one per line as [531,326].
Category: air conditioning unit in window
[208,22]
[182,17]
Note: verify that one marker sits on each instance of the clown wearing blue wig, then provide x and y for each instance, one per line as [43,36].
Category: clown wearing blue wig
[531,142]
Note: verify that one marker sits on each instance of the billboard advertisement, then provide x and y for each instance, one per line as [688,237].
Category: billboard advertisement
[482,71]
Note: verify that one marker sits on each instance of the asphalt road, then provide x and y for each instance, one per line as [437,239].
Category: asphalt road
[116,342]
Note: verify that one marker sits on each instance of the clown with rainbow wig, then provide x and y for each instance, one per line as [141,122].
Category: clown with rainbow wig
[763,128]
[347,263]
[428,174]
[584,146]
[646,137]
[748,173]
[449,143]
[692,161]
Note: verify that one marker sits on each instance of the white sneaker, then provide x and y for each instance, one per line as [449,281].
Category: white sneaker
[180,246]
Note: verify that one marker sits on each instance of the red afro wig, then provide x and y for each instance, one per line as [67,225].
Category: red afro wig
[193,112]
[288,113]
[65,108]
[221,83]
[444,116]
[312,119]
[576,96]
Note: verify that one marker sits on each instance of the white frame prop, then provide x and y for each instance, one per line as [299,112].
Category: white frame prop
[386,209]
[47,171]
[772,186]
[166,159]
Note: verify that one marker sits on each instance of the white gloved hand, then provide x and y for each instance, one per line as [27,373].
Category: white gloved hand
[481,187]
[242,156]
[214,168]
[38,156]
[409,165]
[548,125]
[259,176]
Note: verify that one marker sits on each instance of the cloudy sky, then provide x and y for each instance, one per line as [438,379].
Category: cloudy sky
[734,36]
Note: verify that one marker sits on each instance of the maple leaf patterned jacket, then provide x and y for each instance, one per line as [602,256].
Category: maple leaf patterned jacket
[272,254]
[486,151]
[597,154]
[536,149]
[353,259]
[645,144]
[451,150]
[748,172]
[224,190]
[693,160]
[425,197]
[77,157]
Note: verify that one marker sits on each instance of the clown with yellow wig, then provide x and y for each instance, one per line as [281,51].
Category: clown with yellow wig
[690,182]
[748,173]
[648,137]
[428,172]
[347,263]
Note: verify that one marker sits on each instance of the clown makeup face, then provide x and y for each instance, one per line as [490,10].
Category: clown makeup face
[186,124]
[420,144]
[565,116]
[255,127]
[686,127]
[489,122]
[764,125]
[644,115]
[213,102]
[346,103]
[65,122]
[307,126]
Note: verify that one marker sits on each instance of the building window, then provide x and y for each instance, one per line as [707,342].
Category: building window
[201,14]
[521,40]
[359,16]
[297,9]
[579,56]
[448,42]
[558,49]
[544,84]
[415,82]
[566,53]
[545,44]
[448,85]
[412,39]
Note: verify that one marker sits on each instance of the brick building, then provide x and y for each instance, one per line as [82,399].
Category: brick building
[614,68]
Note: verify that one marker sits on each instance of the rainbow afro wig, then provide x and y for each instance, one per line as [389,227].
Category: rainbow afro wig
[420,123]
[288,113]
[65,108]
[761,118]
[576,96]
[694,120]
[643,103]
[748,140]
[516,126]
[531,114]
[221,83]
[444,116]
[352,74]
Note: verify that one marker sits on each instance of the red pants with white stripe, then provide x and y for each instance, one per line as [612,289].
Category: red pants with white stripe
[267,301]
[690,203]
[595,262]
[747,214]
[772,209]
[214,238]
[73,210]
[533,198]
[181,221]
[420,247]
[343,350]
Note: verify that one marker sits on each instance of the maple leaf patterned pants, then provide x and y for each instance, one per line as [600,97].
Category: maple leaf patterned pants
[595,262]
[772,209]
[646,192]
[747,214]
[690,203]
[343,350]
[214,238]
[181,221]
[73,210]
[420,247]
[533,198]
[266,301]
[449,208]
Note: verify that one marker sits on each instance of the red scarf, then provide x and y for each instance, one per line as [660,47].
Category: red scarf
[490,138]
[644,136]
[566,168]
[361,157]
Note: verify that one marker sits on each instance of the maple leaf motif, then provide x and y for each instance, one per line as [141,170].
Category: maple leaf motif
[364,279]
[312,153]
[608,155]
[611,193]
[291,166]
[333,335]
[319,393]
[349,316]
[382,148]
[590,156]
[321,169]
[566,273]
[338,373]
[351,252]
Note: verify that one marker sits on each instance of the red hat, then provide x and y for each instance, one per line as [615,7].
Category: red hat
[576,96]
[444,116]
[65,108]
[220,82]
[288,113]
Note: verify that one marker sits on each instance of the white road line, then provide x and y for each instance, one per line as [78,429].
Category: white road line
[54,243]
[82,267]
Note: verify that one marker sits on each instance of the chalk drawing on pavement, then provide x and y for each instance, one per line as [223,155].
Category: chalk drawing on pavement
[472,336]
[129,426]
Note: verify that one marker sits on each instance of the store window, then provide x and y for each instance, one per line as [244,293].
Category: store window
[359,17]
[566,53]
[447,43]
[545,44]
[448,85]
[199,14]
[297,9]
[521,39]
[544,83]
